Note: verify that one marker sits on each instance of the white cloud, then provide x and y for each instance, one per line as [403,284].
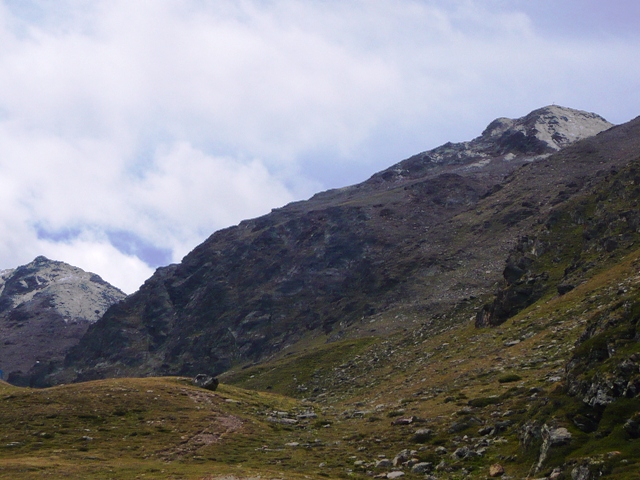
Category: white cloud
[133,130]
[190,194]
[95,255]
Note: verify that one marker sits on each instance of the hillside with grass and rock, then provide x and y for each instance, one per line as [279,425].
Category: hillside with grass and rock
[471,312]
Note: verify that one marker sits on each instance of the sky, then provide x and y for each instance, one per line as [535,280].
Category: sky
[131,130]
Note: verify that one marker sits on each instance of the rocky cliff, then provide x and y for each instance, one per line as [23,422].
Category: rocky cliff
[419,237]
[45,308]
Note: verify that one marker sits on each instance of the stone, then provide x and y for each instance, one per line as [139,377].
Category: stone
[384,463]
[307,416]
[422,435]
[401,458]
[422,467]
[551,437]
[557,436]
[206,381]
[496,470]
[581,472]
[282,421]
[501,426]
[556,474]
[462,452]
[395,474]
[632,427]
[529,433]
[404,421]
[441,450]
[565,288]
[459,426]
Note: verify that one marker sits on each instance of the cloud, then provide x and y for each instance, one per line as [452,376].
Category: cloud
[133,130]
[98,255]
[190,193]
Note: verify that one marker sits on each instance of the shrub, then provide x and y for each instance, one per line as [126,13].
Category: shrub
[510,377]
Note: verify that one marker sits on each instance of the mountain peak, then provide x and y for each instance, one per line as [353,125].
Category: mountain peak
[45,307]
[40,259]
[553,126]
[539,133]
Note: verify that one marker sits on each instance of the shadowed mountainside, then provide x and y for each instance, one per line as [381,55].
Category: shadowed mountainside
[421,237]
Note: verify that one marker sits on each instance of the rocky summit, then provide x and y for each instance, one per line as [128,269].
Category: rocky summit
[419,238]
[45,308]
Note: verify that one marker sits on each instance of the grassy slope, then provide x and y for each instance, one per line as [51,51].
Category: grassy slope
[165,428]
[465,375]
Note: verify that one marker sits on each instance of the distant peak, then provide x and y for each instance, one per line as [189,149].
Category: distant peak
[41,259]
[553,126]
[541,132]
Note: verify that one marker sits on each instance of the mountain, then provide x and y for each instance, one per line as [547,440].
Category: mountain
[536,377]
[424,236]
[45,308]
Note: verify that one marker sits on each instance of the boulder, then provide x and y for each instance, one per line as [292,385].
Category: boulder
[422,467]
[404,421]
[565,288]
[581,472]
[403,457]
[496,470]
[422,435]
[462,452]
[384,463]
[551,438]
[206,381]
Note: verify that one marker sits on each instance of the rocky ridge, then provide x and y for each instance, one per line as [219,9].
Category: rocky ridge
[423,236]
[534,136]
[45,308]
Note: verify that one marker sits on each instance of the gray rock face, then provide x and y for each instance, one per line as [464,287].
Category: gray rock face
[45,308]
[551,437]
